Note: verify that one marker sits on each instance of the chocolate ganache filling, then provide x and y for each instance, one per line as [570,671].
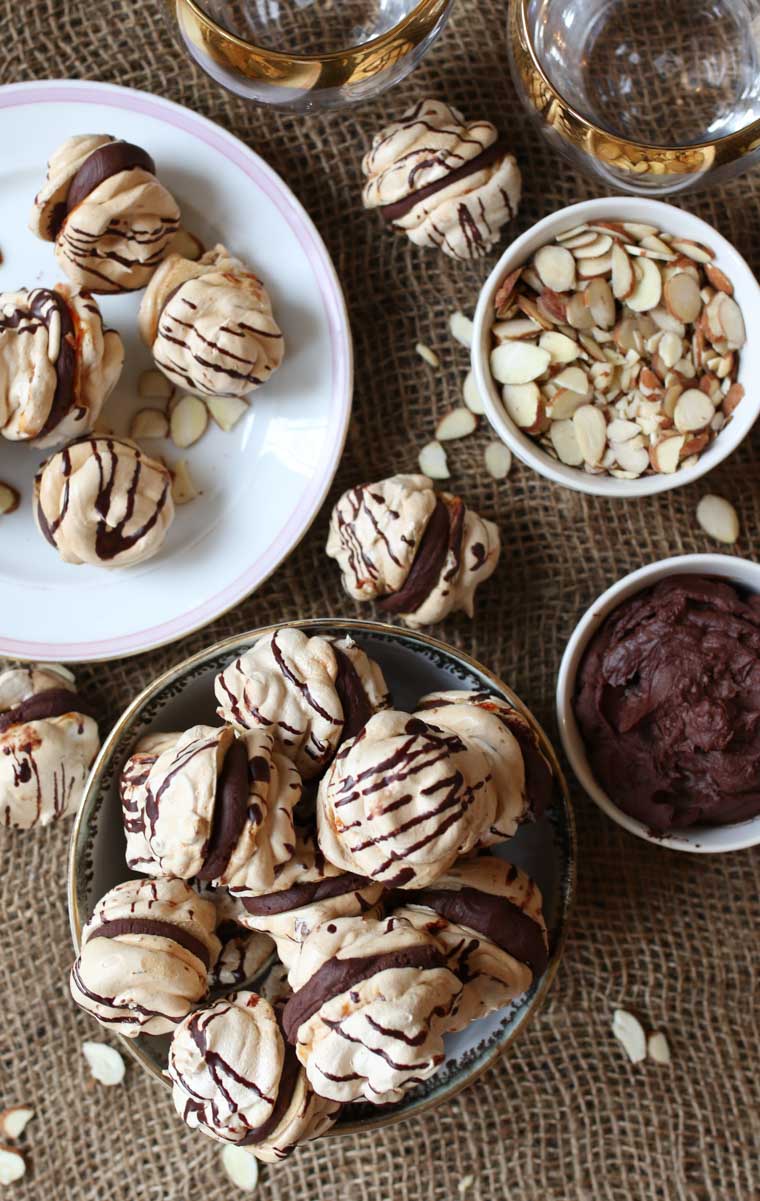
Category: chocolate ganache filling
[399,208]
[153,926]
[337,976]
[303,894]
[443,533]
[354,700]
[108,160]
[497,918]
[44,304]
[230,811]
[52,702]
[288,1080]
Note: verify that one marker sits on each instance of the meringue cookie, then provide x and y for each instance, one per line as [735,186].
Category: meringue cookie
[235,1079]
[443,181]
[486,916]
[145,956]
[522,774]
[101,500]
[371,1001]
[309,693]
[209,325]
[214,807]
[403,800]
[309,891]
[58,364]
[420,552]
[244,952]
[48,742]
[105,210]
[132,782]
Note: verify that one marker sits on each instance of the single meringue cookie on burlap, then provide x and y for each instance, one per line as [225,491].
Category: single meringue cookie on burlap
[403,800]
[371,1001]
[58,364]
[213,806]
[48,741]
[523,776]
[441,180]
[420,553]
[235,1078]
[110,218]
[486,916]
[209,325]
[145,956]
[310,693]
[101,500]
[308,892]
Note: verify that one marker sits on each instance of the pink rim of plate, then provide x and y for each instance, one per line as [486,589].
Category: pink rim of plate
[299,521]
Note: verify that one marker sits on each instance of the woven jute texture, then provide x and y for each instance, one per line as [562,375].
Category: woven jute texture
[564,1117]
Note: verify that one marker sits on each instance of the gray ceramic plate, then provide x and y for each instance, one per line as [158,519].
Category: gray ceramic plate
[413,664]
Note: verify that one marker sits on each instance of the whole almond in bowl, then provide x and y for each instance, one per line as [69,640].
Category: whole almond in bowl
[611,350]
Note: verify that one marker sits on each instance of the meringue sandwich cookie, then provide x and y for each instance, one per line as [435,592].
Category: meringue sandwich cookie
[441,180]
[109,216]
[132,782]
[309,892]
[145,956]
[486,915]
[209,325]
[371,1001]
[58,364]
[219,808]
[309,693]
[101,500]
[403,800]
[48,742]
[522,775]
[235,1078]
[420,553]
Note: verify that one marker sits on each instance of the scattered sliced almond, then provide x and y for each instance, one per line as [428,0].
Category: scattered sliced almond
[519,362]
[187,245]
[556,268]
[432,461]
[188,421]
[718,518]
[457,423]
[149,423]
[226,411]
[105,1063]
[472,395]
[13,1121]
[183,486]
[12,1165]
[427,354]
[152,385]
[461,328]
[657,1048]
[498,460]
[241,1167]
[630,1034]
[10,499]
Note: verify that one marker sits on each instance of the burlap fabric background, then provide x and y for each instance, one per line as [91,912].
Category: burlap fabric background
[674,937]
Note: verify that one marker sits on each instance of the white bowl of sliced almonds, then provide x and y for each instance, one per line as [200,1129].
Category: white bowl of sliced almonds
[610,347]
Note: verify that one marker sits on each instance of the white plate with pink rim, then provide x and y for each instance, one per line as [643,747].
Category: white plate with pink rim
[263,483]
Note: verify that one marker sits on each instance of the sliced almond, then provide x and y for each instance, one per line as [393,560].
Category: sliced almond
[461,328]
[629,1032]
[472,395]
[152,385]
[622,431]
[599,298]
[669,349]
[571,233]
[226,411]
[149,423]
[432,461]
[731,322]
[578,313]
[589,268]
[667,322]
[632,459]
[12,1165]
[718,518]
[429,356]
[520,362]
[13,1121]
[531,309]
[574,378]
[559,347]
[183,486]
[188,421]
[516,329]
[732,398]
[105,1063]
[601,244]
[656,244]
[682,298]
[638,230]
[10,499]
[241,1166]
[592,348]
[577,237]
[692,250]
[564,403]
[553,306]
[623,277]
[498,460]
[591,432]
[657,1048]
[187,245]
[648,289]
[693,410]
[505,290]
[694,446]
[457,423]
[556,268]
[525,406]
[719,279]
[666,455]
[564,439]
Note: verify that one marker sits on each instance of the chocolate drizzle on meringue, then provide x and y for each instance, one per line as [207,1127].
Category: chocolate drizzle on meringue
[309,893]
[428,563]
[357,709]
[156,928]
[288,1080]
[52,702]
[44,304]
[400,208]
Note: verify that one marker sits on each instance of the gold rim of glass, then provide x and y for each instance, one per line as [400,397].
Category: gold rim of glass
[622,154]
[331,69]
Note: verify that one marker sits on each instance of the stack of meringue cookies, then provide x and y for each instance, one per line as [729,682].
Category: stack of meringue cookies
[351,838]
